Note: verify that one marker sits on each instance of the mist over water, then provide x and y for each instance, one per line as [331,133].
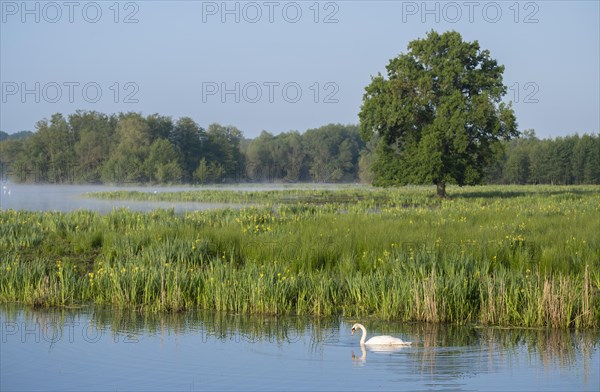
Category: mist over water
[36,197]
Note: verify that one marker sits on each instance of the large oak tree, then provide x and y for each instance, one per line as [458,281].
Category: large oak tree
[439,113]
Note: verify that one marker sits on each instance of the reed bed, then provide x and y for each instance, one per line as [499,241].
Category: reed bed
[509,256]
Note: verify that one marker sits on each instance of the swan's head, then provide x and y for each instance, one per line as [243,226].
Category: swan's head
[354,327]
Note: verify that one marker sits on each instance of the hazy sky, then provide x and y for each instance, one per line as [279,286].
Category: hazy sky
[282,65]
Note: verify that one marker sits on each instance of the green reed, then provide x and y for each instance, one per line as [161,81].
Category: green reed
[527,256]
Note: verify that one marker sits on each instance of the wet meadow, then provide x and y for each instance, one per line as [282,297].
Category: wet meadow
[490,255]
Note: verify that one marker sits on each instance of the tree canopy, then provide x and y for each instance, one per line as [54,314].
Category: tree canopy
[439,114]
[92,147]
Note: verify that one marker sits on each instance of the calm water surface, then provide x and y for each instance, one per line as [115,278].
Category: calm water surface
[70,197]
[104,349]
[35,197]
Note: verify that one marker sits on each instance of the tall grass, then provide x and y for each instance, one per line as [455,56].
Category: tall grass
[523,256]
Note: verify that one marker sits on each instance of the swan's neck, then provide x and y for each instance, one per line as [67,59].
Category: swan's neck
[364,334]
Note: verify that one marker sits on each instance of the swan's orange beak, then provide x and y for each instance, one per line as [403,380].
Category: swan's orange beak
[353,331]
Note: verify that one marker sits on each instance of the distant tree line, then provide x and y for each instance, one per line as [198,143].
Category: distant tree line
[92,147]
[569,160]
[14,136]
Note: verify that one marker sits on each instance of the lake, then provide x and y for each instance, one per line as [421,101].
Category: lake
[108,349]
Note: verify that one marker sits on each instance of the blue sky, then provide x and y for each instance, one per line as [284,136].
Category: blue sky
[282,65]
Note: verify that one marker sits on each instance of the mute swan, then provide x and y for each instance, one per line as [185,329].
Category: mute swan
[378,340]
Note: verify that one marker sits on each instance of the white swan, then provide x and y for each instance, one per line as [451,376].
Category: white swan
[378,340]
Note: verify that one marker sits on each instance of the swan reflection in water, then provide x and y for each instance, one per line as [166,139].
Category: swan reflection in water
[377,344]
[375,349]
[363,357]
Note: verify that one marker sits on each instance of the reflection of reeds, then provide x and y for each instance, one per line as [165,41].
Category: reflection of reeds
[439,350]
[394,254]
[447,348]
[206,325]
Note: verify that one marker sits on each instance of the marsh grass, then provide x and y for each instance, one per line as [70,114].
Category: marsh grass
[523,256]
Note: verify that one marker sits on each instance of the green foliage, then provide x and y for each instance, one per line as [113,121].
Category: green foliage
[91,147]
[51,152]
[500,255]
[15,136]
[438,113]
[94,134]
[202,173]
[186,137]
[326,154]
[224,154]
[162,165]
[367,160]
[334,151]
[126,162]
[564,160]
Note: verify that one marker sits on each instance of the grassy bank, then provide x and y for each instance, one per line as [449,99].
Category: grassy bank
[527,256]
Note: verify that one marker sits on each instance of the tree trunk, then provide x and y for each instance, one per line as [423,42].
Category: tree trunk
[441,189]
